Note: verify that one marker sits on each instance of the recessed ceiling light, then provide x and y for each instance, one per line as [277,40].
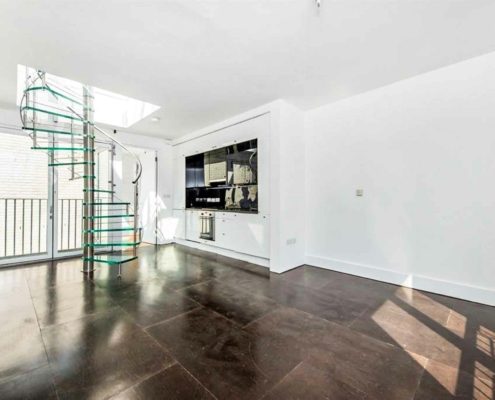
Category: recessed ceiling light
[155,119]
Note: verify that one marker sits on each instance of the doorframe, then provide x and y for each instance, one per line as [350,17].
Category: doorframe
[154,151]
[52,253]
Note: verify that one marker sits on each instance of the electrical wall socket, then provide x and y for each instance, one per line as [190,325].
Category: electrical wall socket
[291,241]
[359,192]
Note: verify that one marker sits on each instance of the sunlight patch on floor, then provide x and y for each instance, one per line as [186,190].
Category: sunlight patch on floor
[409,332]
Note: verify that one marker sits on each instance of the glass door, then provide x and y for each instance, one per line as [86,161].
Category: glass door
[68,201]
[41,206]
[25,201]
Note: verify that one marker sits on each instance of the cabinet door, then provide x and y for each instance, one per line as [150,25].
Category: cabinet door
[180,224]
[192,226]
[248,234]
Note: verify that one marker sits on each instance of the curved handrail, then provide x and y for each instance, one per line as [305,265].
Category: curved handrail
[55,93]
[138,161]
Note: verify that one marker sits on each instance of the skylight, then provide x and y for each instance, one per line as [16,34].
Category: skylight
[110,108]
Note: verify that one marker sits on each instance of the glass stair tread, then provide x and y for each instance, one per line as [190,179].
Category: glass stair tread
[112,259]
[56,93]
[107,204]
[110,216]
[112,244]
[111,230]
[62,148]
[56,114]
[53,131]
[99,191]
[55,164]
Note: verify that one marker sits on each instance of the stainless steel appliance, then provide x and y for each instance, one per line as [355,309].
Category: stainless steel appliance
[207,223]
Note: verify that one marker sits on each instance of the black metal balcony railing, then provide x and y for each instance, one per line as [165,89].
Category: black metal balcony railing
[69,224]
[23,225]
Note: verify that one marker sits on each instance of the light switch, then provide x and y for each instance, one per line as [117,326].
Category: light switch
[359,192]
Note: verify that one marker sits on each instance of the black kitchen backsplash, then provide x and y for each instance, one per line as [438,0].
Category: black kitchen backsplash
[224,179]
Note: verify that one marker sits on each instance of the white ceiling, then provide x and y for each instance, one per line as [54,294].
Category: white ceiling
[204,61]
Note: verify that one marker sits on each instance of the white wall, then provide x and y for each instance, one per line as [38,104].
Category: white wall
[287,184]
[423,152]
[164,200]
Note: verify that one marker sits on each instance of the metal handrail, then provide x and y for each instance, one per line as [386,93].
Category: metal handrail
[138,161]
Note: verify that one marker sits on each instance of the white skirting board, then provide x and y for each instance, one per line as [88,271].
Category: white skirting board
[264,262]
[453,289]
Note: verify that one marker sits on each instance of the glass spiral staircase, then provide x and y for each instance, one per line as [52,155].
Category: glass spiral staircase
[60,121]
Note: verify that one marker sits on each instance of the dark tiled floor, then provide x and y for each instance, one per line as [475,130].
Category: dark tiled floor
[183,324]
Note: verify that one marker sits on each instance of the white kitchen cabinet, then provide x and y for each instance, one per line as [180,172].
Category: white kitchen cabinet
[244,233]
[192,225]
[180,223]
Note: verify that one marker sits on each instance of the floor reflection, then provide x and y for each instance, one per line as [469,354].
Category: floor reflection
[189,324]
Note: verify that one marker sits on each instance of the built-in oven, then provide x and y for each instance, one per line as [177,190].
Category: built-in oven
[207,224]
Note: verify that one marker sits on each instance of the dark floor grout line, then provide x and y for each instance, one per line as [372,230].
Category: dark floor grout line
[170,319]
[237,324]
[113,306]
[282,379]
[177,362]
[358,317]
[44,344]
[277,307]
[197,380]
[142,380]
[347,327]
[194,284]
[423,371]
[199,307]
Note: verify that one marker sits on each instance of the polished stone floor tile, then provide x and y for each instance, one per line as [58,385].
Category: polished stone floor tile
[150,302]
[284,292]
[218,353]
[21,346]
[173,383]
[319,302]
[33,385]
[359,289]
[44,275]
[441,382]
[380,370]
[311,381]
[64,303]
[236,305]
[351,359]
[408,328]
[182,323]
[422,305]
[101,355]
[312,277]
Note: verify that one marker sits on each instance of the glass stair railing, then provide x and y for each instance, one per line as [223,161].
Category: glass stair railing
[48,113]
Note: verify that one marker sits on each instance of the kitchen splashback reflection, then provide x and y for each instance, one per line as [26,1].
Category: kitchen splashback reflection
[224,179]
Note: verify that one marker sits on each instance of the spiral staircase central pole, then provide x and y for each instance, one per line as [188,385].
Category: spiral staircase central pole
[89,180]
